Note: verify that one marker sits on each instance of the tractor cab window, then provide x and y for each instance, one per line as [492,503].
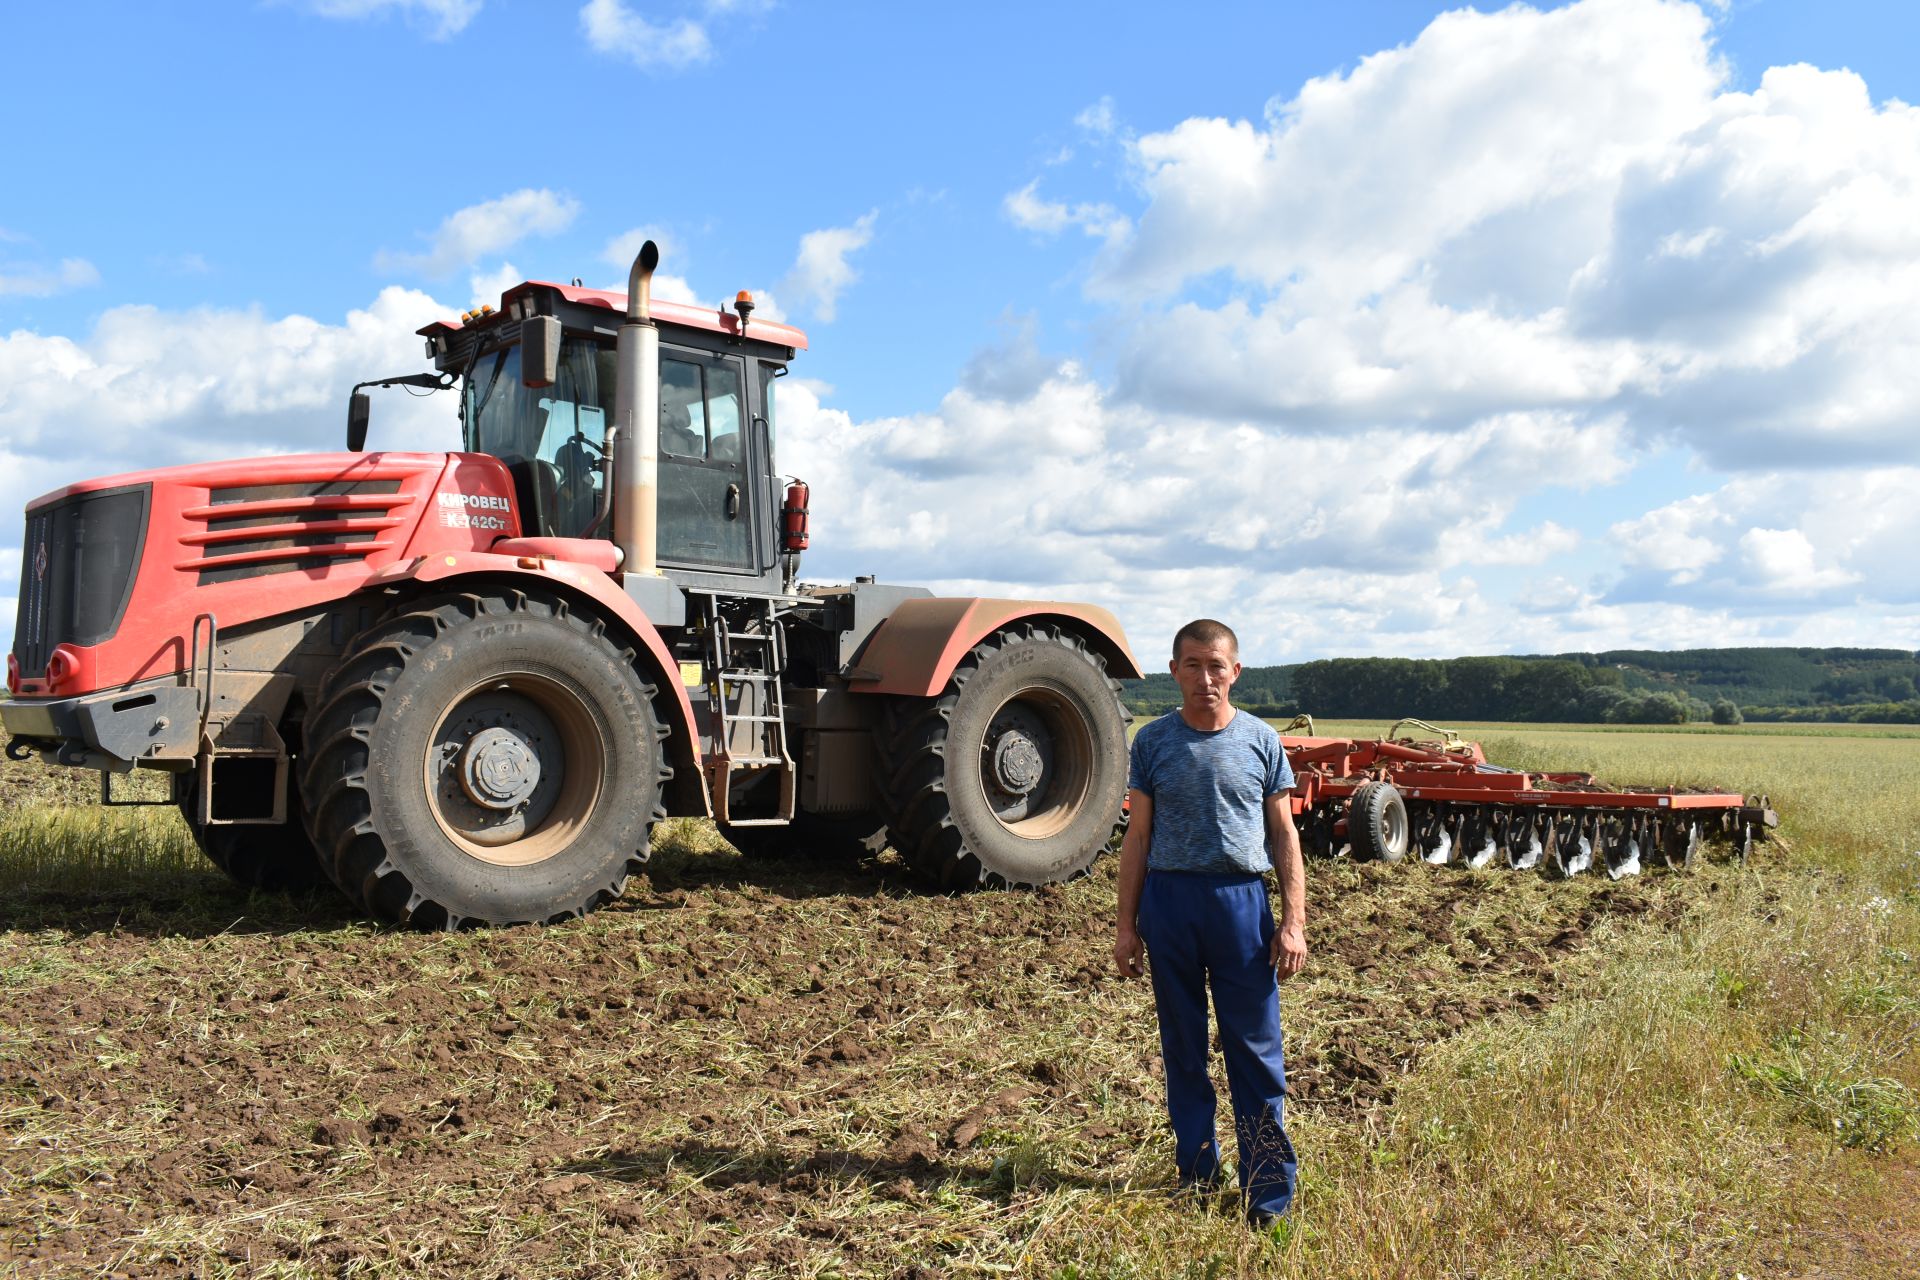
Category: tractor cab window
[768,372]
[700,409]
[551,438]
[706,515]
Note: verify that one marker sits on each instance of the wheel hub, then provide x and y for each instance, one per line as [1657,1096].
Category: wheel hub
[498,769]
[1016,763]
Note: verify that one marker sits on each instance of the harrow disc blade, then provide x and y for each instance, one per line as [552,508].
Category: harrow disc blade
[1680,844]
[1571,848]
[1623,858]
[1481,853]
[1524,849]
[1440,847]
[1583,859]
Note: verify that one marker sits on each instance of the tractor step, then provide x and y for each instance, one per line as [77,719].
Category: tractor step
[744,663]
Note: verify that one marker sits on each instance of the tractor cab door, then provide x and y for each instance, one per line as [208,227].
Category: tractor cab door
[709,504]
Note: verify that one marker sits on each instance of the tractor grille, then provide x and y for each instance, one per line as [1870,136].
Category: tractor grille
[77,572]
[252,531]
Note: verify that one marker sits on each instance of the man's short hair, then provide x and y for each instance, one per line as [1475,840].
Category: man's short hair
[1206,633]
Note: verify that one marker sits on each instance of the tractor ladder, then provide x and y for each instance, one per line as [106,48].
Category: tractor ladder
[749,764]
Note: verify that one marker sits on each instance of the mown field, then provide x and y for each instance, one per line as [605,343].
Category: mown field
[789,1068]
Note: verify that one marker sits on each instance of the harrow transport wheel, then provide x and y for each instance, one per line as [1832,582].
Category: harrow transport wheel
[1377,824]
[1017,772]
[484,759]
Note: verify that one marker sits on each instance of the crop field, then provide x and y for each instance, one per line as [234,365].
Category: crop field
[789,1067]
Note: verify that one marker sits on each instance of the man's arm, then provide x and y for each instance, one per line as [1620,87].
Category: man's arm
[1283,848]
[1128,952]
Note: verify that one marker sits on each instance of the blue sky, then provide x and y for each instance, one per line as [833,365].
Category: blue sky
[1372,328]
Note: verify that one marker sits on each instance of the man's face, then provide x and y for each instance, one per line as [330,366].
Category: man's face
[1205,673]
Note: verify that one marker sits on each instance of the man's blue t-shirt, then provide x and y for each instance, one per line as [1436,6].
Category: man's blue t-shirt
[1208,792]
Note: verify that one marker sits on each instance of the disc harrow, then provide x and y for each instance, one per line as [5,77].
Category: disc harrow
[1431,794]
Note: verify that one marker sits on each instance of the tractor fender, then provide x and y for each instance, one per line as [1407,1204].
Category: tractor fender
[590,588]
[915,649]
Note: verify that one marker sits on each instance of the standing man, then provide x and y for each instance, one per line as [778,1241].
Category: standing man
[1209,814]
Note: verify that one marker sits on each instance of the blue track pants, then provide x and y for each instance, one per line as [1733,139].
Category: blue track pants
[1217,931]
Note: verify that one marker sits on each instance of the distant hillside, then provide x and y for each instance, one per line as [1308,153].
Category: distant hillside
[1618,686]
[1775,677]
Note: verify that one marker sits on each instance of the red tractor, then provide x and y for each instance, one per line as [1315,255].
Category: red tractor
[462,687]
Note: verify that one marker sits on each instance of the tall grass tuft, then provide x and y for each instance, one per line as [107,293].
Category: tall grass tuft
[93,850]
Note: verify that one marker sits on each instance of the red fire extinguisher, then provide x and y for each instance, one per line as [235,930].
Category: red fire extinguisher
[793,518]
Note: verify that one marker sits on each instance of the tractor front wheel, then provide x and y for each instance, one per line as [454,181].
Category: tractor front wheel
[1017,773]
[485,759]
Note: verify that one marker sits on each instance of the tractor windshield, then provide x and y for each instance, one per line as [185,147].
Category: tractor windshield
[551,438]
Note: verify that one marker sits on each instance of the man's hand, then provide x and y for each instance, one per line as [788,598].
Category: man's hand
[1289,951]
[1129,955]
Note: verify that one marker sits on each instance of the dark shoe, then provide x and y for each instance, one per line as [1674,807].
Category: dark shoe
[1193,1189]
[1265,1220]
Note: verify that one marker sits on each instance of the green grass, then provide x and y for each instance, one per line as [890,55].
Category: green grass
[81,849]
[1770,729]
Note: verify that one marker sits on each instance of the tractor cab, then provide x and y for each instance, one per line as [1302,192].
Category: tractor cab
[538,381]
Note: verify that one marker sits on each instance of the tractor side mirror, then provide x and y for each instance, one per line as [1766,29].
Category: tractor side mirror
[359,409]
[540,351]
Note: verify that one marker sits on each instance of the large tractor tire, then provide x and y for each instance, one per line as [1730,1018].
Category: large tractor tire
[813,836]
[1017,772]
[486,759]
[278,857]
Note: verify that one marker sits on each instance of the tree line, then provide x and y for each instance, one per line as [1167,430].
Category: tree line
[1620,687]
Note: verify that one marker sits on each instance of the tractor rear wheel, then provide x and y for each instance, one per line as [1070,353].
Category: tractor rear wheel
[485,759]
[1017,773]
[1377,825]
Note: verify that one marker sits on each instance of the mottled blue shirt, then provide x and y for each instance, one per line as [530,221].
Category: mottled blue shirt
[1209,791]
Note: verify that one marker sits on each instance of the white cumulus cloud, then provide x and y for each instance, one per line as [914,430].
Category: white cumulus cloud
[1568,210]
[480,230]
[1099,118]
[1760,542]
[821,272]
[1347,345]
[613,28]
[443,19]
[1048,217]
[42,281]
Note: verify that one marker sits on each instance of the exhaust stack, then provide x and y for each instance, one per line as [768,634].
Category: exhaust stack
[636,414]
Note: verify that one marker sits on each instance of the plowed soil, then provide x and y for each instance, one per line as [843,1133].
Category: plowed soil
[741,1067]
